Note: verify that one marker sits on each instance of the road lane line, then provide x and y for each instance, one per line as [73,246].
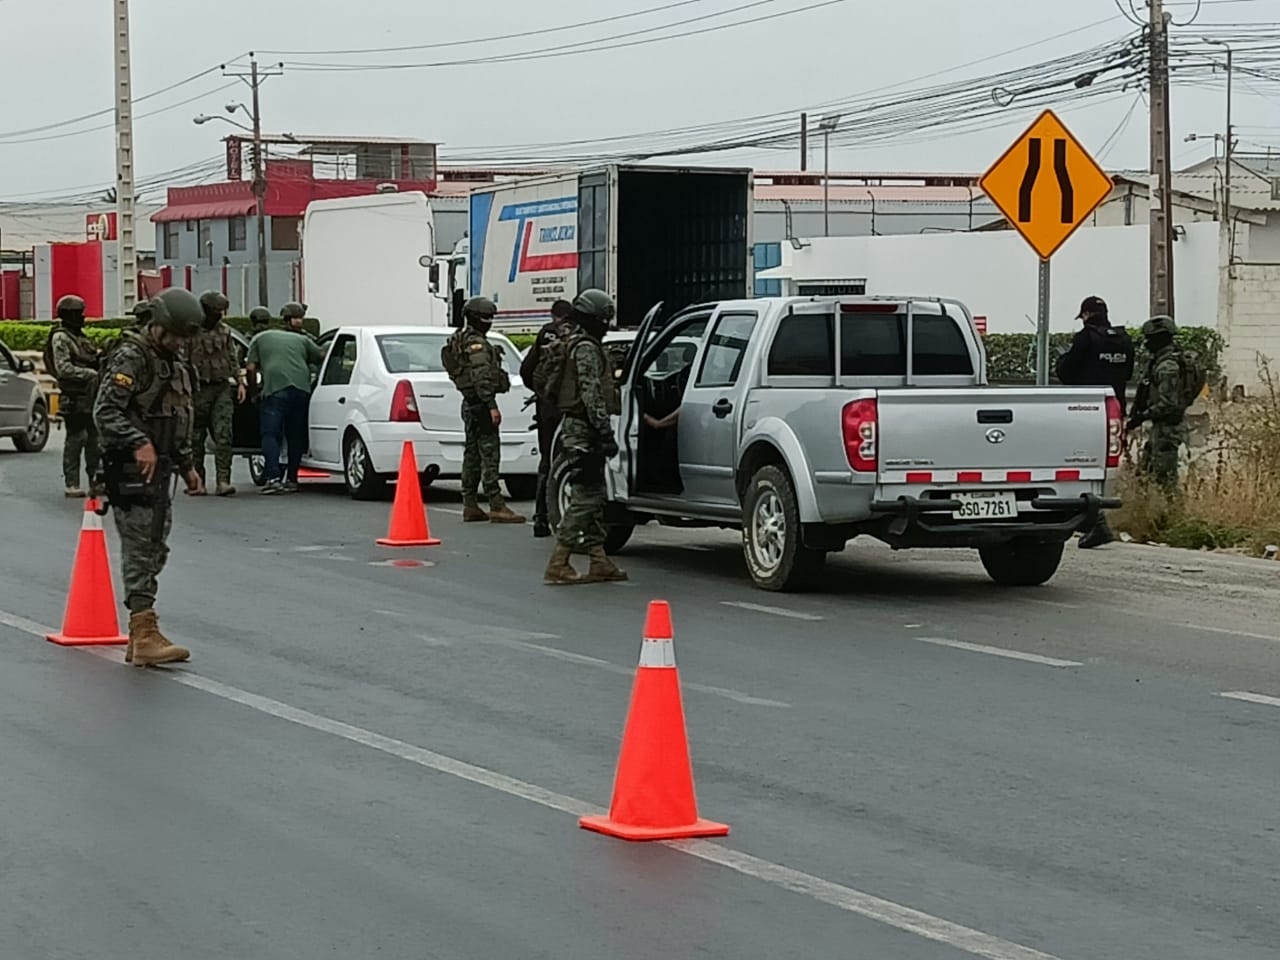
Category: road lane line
[774,611]
[1001,652]
[554,652]
[848,899]
[1180,624]
[1247,697]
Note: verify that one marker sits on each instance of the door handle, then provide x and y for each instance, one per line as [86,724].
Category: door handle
[432,396]
[342,399]
[722,408]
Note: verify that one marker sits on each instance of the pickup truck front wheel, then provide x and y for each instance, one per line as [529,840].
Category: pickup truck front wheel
[771,534]
[1021,563]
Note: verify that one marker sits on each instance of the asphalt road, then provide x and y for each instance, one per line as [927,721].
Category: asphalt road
[368,760]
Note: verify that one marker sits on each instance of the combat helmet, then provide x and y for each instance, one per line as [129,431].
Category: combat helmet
[595,304]
[481,307]
[1158,325]
[175,310]
[214,302]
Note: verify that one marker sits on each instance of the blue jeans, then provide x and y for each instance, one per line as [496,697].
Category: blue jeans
[284,418]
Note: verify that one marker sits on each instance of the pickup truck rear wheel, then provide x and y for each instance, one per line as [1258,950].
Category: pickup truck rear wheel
[771,534]
[1021,563]
[616,535]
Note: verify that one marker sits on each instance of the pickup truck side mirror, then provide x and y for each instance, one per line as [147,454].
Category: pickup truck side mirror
[26,366]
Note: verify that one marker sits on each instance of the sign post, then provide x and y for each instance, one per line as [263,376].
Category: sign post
[1046,206]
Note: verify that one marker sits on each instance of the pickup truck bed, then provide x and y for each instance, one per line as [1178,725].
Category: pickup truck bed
[806,422]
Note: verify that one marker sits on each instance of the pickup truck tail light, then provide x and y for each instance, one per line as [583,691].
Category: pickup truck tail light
[861,424]
[404,407]
[1115,432]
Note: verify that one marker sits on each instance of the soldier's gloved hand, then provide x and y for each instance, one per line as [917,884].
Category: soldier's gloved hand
[610,446]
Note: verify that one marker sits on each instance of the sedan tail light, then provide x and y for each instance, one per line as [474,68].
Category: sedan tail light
[861,424]
[404,407]
[1115,432]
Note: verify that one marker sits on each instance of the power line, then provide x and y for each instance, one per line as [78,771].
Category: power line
[523,34]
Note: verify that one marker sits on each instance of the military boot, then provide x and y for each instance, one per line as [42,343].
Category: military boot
[471,513]
[559,570]
[148,647]
[225,489]
[603,570]
[500,513]
[541,528]
[1099,536]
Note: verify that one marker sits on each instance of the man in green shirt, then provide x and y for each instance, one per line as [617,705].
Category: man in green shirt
[286,361]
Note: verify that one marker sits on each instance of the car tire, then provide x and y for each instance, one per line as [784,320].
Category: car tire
[257,469]
[1021,563]
[357,471]
[616,535]
[37,434]
[776,556]
[522,487]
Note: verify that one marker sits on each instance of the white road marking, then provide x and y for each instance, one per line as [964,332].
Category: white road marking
[1181,624]
[567,655]
[1247,697]
[773,611]
[848,899]
[1001,652]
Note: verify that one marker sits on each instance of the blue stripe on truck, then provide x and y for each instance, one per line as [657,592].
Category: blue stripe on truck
[481,207]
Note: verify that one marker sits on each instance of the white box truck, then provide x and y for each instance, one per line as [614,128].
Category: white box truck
[642,234]
[370,260]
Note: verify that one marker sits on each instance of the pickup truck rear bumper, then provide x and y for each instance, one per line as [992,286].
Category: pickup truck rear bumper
[909,524]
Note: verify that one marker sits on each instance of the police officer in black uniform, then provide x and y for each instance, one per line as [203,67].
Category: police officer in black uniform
[1100,356]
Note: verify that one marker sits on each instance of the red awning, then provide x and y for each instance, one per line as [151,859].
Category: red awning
[213,210]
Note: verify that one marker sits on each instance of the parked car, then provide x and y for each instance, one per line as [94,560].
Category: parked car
[24,412]
[806,422]
[380,386]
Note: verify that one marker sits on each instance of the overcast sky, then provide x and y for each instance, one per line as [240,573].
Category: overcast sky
[57,64]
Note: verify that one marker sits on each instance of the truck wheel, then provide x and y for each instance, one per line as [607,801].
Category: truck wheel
[616,535]
[258,469]
[362,482]
[1021,563]
[771,534]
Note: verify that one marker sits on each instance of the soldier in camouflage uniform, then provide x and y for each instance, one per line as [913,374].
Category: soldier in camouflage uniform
[75,365]
[588,398]
[143,412]
[477,369]
[219,386]
[260,318]
[1160,403]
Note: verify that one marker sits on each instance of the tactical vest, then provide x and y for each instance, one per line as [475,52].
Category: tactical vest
[162,408]
[456,355]
[571,395]
[212,355]
[83,354]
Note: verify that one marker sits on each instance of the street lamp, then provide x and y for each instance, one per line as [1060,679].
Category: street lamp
[204,118]
[828,126]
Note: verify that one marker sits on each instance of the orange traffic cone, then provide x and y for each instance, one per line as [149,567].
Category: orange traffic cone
[653,789]
[408,526]
[91,618]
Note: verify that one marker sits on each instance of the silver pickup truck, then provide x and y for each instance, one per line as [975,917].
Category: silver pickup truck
[806,422]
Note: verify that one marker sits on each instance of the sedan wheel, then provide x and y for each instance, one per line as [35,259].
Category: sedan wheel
[362,482]
[37,434]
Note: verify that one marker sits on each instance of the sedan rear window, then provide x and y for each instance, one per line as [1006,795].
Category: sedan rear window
[420,352]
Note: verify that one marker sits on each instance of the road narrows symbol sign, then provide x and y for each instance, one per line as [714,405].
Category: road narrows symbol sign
[1046,184]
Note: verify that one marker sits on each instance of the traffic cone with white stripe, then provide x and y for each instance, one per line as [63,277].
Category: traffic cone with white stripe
[91,618]
[408,526]
[653,795]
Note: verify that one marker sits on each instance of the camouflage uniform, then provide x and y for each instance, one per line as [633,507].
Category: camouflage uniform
[213,361]
[483,377]
[588,397]
[1159,461]
[146,397]
[75,362]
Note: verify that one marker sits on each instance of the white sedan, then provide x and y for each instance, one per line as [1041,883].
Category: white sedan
[380,386]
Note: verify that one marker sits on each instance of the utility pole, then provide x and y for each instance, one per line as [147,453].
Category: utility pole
[828,127]
[1227,143]
[1161,226]
[255,78]
[126,239]
[804,142]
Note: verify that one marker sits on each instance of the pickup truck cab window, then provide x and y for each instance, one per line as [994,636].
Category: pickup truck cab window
[873,344]
[726,349]
[938,347]
[804,346]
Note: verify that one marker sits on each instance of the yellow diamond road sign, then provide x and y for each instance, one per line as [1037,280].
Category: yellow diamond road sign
[1046,184]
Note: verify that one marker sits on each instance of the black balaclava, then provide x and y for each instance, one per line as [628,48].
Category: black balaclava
[73,320]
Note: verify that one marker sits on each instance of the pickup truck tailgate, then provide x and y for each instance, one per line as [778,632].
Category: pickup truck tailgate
[992,434]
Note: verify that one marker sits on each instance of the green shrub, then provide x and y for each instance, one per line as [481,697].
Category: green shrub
[24,335]
[1011,356]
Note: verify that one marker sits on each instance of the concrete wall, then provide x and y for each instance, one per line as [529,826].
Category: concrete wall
[1252,321]
[995,274]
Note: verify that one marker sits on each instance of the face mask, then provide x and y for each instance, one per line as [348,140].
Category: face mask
[72,321]
[481,325]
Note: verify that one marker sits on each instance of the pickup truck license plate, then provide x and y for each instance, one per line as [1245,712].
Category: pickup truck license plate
[986,505]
